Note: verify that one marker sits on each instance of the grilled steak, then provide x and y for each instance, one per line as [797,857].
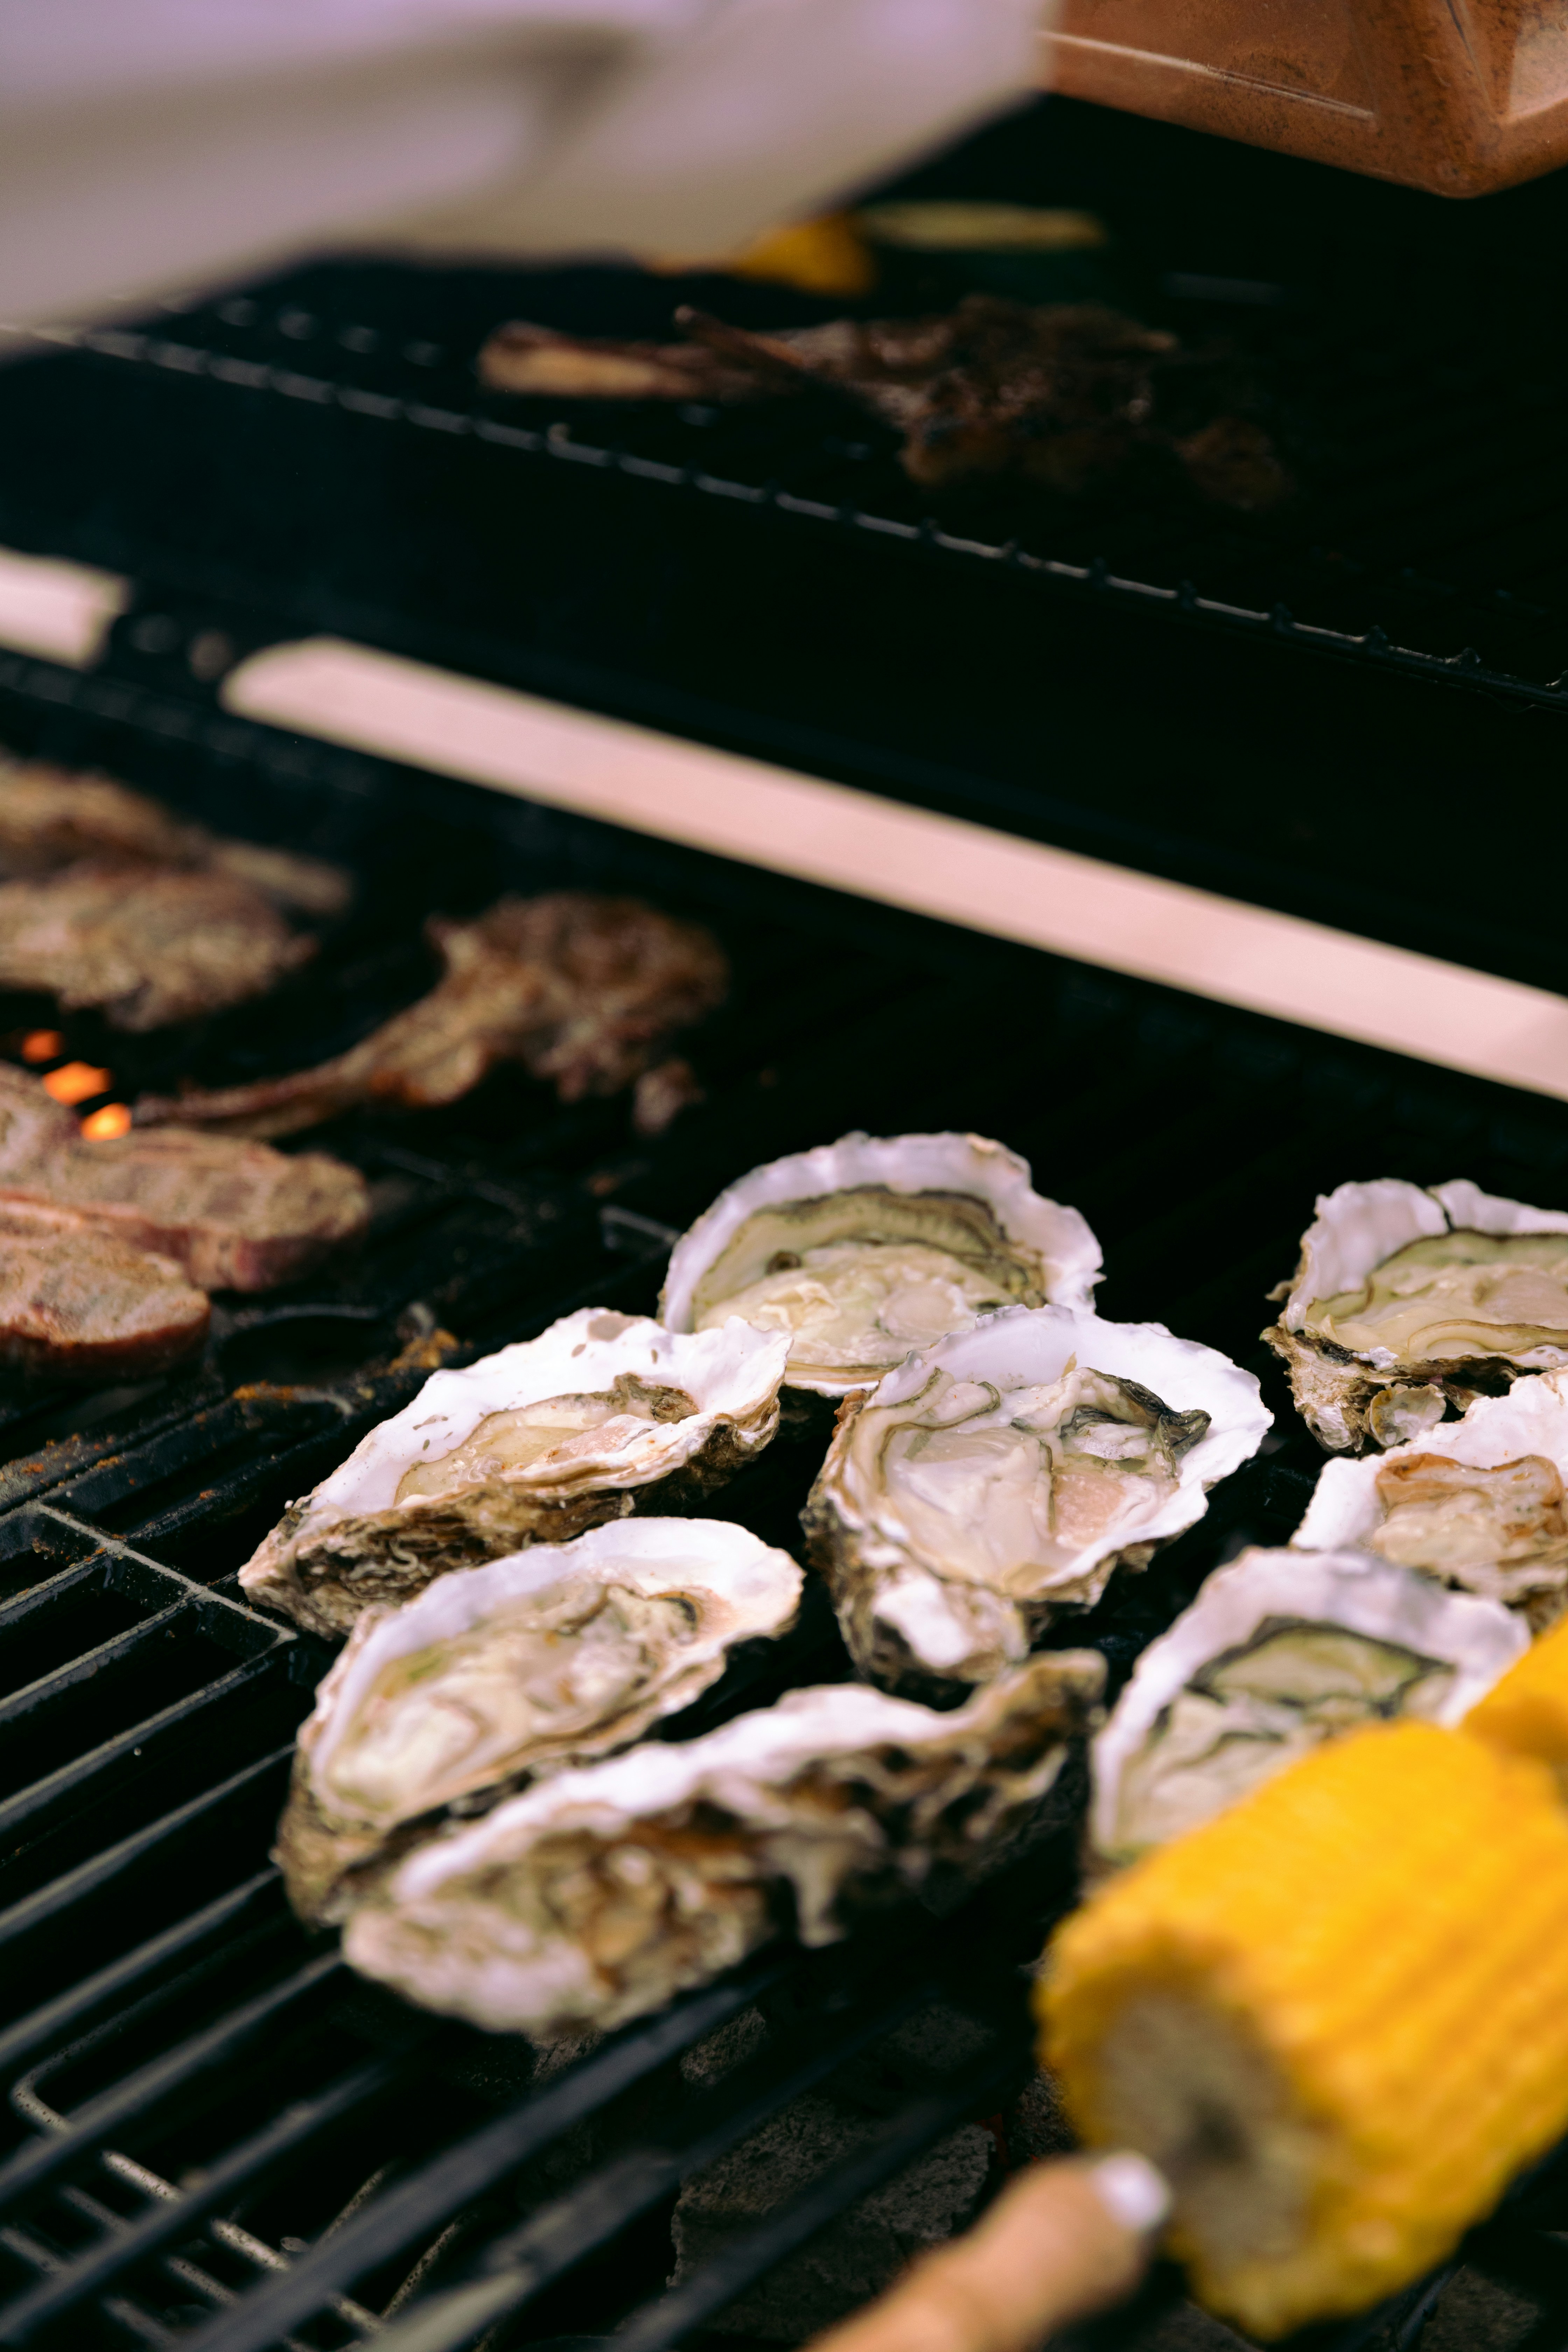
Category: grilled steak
[234,1215]
[80,1303]
[1064,393]
[145,945]
[52,817]
[582,991]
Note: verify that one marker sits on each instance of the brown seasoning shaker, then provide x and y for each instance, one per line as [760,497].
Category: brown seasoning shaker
[1459,97]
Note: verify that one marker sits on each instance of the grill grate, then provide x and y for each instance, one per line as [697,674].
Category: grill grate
[216,2137]
[1426,550]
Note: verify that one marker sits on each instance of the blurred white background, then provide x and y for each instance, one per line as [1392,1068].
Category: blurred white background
[147,145]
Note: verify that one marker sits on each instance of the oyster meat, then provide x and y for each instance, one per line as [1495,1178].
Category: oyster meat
[601,1414]
[1279,1652]
[868,1247]
[1001,1477]
[493,1675]
[1407,1302]
[597,1895]
[1479,1503]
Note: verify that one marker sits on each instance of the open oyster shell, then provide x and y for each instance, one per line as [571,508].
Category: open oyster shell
[1480,1504]
[1408,1300]
[598,1895]
[872,1245]
[554,1656]
[1002,1475]
[601,1414]
[1279,1652]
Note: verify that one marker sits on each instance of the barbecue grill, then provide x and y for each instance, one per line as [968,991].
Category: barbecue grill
[216,2136]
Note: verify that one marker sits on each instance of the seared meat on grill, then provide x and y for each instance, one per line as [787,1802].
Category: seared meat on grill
[582,991]
[1062,394]
[52,817]
[80,1303]
[147,945]
[234,1215]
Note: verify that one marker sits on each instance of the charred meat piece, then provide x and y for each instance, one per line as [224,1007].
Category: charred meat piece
[1063,394]
[145,945]
[234,1215]
[581,991]
[77,1303]
[52,817]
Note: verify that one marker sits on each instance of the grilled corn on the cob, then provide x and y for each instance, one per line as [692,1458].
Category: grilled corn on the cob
[1336,2016]
[1527,1712]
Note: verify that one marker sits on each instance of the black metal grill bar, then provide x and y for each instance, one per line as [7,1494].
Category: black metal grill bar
[523,2261]
[234,2240]
[209,1600]
[439,2189]
[49,2024]
[559,2236]
[559,442]
[136,1741]
[701,2299]
[111,1482]
[31,2169]
[93,1876]
[303,2120]
[88,1663]
[63,1458]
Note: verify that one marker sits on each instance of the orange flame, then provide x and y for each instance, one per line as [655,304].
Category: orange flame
[107,1125]
[75,1082]
[42,1045]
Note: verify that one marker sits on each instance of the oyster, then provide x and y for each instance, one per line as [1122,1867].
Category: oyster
[1279,1652]
[553,1656]
[1479,1503]
[868,1247]
[601,1413]
[1002,1475]
[1407,1301]
[597,1895]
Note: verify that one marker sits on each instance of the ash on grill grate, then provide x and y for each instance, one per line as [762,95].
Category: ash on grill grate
[215,2137]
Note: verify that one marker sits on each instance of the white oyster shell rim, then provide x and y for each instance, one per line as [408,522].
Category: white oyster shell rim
[1533,1418]
[760,1584]
[1059,1235]
[1024,1345]
[737,1766]
[733,1371]
[1353,1589]
[1358,1226]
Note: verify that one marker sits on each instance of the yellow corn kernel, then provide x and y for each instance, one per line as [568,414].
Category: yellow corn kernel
[828,256]
[1336,2016]
[1527,1712]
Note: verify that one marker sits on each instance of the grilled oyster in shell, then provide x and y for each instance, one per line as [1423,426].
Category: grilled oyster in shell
[1479,1503]
[598,1895]
[601,1414]
[492,1674]
[1279,1652]
[1407,1302]
[1002,1475]
[868,1247]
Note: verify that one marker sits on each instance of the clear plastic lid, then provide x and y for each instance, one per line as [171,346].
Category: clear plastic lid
[1456,96]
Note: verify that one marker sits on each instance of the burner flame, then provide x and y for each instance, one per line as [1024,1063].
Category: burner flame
[42,1045]
[77,1082]
[106,1126]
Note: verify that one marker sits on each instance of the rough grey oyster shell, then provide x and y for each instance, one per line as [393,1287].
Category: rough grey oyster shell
[1002,1475]
[1480,1504]
[597,1895]
[865,1248]
[601,1415]
[493,1675]
[1279,1652]
[1408,1301]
